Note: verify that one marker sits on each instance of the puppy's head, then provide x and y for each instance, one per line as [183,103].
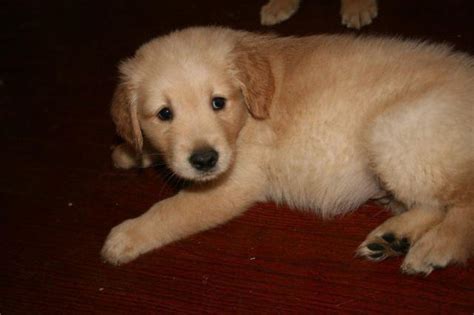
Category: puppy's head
[190,93]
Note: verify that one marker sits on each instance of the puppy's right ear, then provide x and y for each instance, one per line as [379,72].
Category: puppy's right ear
[125,116]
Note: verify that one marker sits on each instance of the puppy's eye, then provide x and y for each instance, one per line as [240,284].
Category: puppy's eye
[218,103]
[165,114]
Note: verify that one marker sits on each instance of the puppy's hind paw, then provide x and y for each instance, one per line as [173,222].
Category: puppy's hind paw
[380,248]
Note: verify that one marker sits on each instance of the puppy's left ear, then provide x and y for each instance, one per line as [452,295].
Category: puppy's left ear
[254,75]
[125,116]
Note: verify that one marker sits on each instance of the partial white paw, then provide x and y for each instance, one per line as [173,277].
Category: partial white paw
[276,11]
[358,13]
[124,157]
[436,249]
[124,243]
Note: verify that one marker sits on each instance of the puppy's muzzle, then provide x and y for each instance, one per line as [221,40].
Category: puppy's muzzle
[204,159]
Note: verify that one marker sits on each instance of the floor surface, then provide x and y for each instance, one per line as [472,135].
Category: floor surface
[60,194]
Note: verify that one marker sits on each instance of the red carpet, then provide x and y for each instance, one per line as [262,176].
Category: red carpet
[60,194]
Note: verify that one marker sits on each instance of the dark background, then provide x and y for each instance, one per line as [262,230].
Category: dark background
[60,194]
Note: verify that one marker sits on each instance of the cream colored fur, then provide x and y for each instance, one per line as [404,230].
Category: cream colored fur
[322,123]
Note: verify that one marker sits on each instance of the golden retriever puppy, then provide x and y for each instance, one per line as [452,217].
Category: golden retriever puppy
[354,13]
[321,122]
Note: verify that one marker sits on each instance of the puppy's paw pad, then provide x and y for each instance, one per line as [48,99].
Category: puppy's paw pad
[400,246]
[275,12]
[380,248]
[389,237]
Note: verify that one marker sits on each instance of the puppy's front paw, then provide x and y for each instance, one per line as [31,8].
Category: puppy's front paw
[124,157]
[358,13]
[124,243]
[276,11]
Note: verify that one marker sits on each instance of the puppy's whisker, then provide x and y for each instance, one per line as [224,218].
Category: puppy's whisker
[168,181]
[157,163]
[153,154]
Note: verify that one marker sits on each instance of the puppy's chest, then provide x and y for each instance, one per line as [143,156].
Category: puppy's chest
[322,169]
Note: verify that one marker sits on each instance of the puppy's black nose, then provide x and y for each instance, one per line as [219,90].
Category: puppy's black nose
[204,159]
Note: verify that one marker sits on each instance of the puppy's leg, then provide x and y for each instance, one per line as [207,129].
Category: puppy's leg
[449,242]
[276,11]
[358,13]
[123,156]
[188,212]
[421,149]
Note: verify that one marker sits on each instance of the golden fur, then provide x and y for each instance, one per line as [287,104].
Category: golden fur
[321,123]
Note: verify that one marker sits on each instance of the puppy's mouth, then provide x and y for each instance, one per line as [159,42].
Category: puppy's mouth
[206,176]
